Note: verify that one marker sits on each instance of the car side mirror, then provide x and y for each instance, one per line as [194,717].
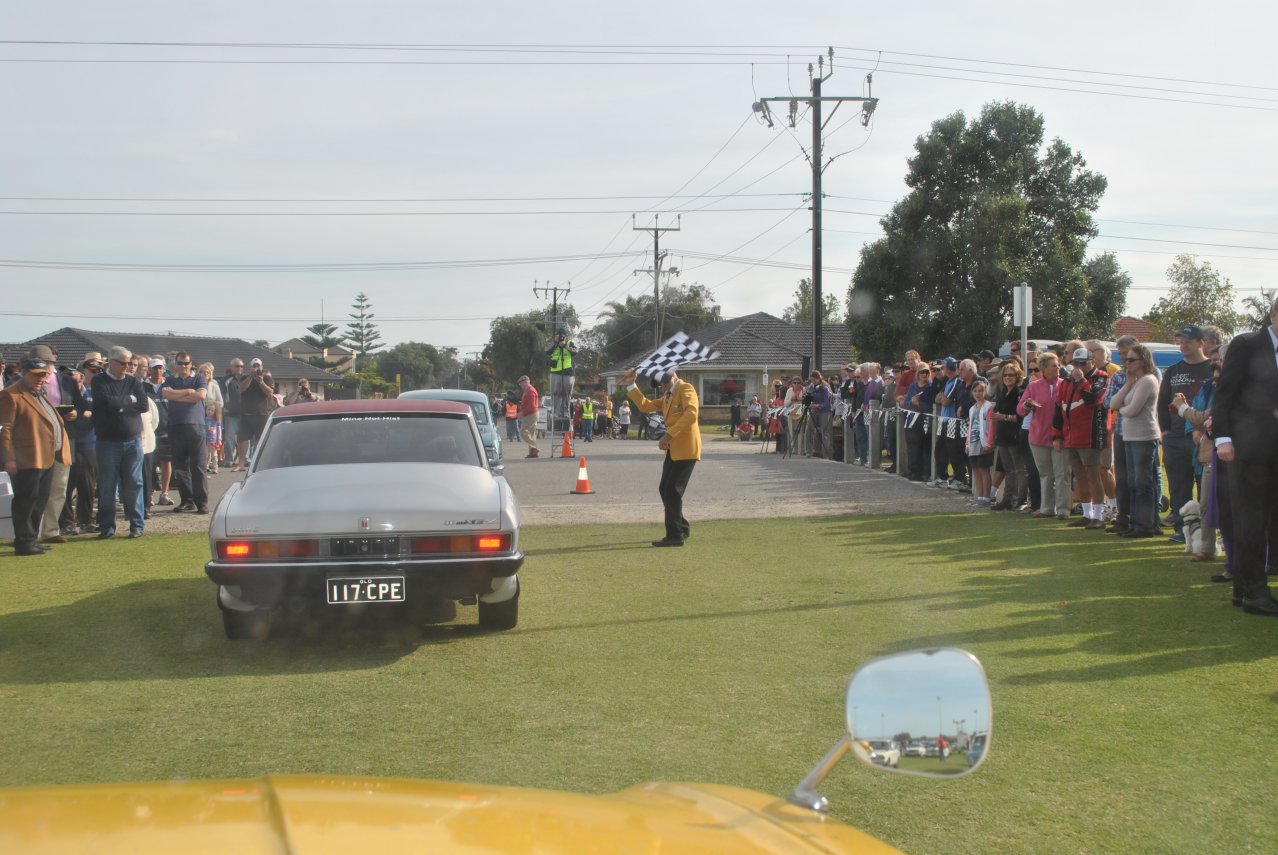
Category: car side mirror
[497,468]
[925,713]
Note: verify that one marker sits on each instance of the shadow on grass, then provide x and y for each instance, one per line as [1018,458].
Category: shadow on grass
[1139,604]
[172,629]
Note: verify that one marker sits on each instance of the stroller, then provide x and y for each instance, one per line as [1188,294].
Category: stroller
[656,426]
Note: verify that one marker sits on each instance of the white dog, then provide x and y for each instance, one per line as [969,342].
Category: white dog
[1191,518]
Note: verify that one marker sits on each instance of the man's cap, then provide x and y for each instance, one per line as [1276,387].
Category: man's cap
[255,361]
[950,362]
[1192,331]
[42,352]
[1081,355]
[156,362]
[986,354]
[92,358]
[36,366]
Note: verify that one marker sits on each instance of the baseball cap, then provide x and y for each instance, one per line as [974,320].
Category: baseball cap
[950,362]
[36,366]
[986,354]
[1192,331]
[255,361]
[1081,355]
[155,362]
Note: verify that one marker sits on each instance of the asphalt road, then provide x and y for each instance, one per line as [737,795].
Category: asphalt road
[732,481]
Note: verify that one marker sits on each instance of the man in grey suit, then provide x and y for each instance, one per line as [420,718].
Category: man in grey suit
[1245,425]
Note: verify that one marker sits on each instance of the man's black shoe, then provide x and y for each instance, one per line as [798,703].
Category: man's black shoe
[1265,605]
[668,541]
[202,509]
[185,506]
[104,534]
[34,549]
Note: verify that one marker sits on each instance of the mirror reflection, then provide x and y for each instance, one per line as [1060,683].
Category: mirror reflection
[926,712]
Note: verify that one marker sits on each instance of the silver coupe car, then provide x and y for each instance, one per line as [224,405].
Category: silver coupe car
[351,506]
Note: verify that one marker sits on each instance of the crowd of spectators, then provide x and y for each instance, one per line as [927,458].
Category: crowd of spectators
[1094,439]
[136,426]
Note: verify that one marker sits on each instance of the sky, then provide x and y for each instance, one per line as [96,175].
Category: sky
[246,169]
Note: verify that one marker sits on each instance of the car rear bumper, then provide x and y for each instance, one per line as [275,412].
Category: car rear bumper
[267,584]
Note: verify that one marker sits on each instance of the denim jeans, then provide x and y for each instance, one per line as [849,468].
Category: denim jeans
[1140,459]
[120,469]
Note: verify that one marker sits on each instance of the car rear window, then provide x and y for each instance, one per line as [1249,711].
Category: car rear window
[369,438]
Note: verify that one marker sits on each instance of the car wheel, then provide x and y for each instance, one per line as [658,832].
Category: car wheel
[503,615]
[246,626]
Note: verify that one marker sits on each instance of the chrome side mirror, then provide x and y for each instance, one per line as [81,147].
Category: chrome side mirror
[896,719]
[923,713]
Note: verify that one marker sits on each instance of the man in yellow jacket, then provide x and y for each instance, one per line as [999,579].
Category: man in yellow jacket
[681,443]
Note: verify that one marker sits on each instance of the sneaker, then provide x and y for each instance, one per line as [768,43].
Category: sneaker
[1178,537]
[939,482]
[164,499]
[952,484]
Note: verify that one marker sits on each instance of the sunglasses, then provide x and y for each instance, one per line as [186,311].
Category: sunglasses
[1035,370]
[1009,374]
[1129,360]
[182,363]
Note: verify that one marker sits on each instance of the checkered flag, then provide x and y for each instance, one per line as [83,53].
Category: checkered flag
[678,350]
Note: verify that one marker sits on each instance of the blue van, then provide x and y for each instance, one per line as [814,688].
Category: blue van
[479,404]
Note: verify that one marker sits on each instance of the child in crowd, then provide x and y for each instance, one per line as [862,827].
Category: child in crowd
[980,443]
[212,436]
[745,431]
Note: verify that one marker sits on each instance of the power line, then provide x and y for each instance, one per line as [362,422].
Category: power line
[351,213]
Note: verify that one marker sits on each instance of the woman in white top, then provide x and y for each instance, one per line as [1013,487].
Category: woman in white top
[1136,402]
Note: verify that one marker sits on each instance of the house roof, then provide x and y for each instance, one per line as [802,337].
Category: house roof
[759,341]
[73,343]
[1126,325]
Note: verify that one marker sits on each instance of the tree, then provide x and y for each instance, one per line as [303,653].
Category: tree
[419,366]
[1258,309]
[800,311]
[990,207]
[1199,295]
[362,336]
[627,327]
[322,337]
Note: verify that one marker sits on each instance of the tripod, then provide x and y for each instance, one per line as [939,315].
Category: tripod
[799,428]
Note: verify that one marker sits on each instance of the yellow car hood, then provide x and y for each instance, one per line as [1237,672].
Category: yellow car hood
[306,815]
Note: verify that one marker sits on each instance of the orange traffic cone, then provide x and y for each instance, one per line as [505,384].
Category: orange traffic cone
[567,449]
[583,480]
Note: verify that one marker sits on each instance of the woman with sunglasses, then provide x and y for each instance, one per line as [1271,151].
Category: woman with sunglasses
[1007,436]
[1136,402]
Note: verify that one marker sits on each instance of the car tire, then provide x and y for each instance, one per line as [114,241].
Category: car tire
[499,616]
[246,626]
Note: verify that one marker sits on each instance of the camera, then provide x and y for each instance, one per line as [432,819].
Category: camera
[807,399]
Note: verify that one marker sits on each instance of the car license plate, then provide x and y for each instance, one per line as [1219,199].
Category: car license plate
[369,589]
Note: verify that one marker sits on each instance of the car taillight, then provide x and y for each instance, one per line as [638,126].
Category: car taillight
[240,550]
[461,543]
[234,549]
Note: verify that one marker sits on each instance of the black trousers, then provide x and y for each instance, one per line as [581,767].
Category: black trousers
[674,480]
[190,463]
[30,494]
[1253,492]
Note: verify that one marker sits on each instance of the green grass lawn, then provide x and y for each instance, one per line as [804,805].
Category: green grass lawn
[1132,704]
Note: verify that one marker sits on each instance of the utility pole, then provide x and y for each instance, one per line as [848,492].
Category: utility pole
[814,103]
[553,321]
[475,356]
[657,257]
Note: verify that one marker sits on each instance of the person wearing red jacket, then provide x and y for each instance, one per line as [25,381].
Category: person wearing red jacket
[1080,426]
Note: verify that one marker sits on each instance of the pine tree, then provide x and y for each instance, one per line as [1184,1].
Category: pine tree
[362,335]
